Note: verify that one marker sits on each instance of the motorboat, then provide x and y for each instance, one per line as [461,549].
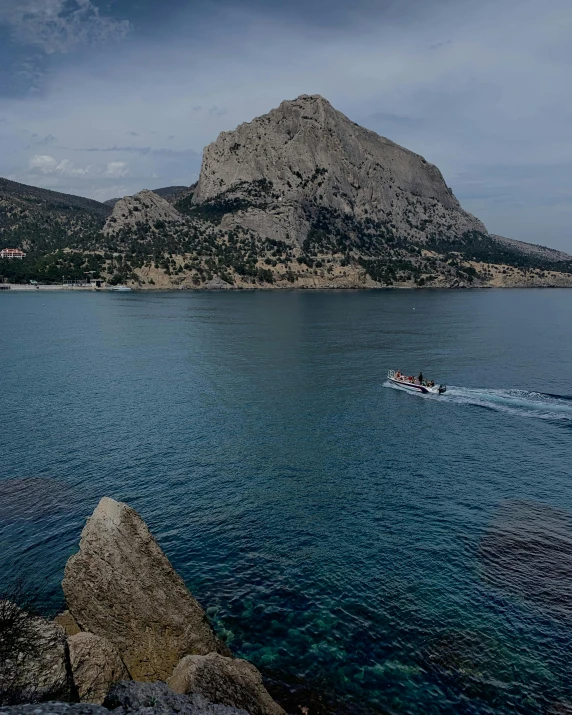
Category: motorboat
[120,288]
[413,385]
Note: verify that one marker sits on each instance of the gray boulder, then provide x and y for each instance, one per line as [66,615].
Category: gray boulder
[96,666]
[52,708]
[158,699]
[33,657]
[122,586]
[229,681]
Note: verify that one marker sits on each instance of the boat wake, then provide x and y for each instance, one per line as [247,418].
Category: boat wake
[539,405]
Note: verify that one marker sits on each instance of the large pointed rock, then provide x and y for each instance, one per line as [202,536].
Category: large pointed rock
[122,586]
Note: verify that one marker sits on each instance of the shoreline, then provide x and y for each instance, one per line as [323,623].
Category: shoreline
[22,288]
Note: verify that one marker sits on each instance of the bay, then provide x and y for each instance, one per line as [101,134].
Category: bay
[371,550]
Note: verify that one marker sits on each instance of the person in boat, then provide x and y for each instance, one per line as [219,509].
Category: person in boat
[420,378]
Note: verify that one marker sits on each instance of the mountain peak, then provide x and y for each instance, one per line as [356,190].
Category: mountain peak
[310,157]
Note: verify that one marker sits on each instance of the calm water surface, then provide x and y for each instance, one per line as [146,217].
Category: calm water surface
[395,553]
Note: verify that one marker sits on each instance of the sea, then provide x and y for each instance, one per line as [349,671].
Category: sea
[370,550]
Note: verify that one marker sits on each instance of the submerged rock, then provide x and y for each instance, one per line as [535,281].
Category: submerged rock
[122,586]
[96,666]
[30,497]
[527,552]
[157,698]
[229,681]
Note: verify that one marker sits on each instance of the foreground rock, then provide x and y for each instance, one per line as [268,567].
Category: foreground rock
[33,657]
[129,699]
[228,681]
[54,708]
[157,698]
[122,586]
[96,666]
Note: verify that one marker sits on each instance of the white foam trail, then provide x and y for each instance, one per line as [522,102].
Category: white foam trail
[524,403]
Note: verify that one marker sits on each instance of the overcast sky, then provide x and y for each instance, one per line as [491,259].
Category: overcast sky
[103,98]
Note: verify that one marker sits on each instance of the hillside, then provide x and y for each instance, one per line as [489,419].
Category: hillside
[171,193]
[42,220]
[300,197]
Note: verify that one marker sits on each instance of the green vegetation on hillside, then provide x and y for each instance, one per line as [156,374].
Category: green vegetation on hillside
[52,267]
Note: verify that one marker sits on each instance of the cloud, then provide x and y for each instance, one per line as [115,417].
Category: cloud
[44,141]
[116,169]
[42,163]
[45,164]
[59,25]
[218,111]
[146,151]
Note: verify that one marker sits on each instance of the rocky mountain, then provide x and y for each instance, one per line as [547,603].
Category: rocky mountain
[146,208]
[171,193]
[305,164]
[300,197]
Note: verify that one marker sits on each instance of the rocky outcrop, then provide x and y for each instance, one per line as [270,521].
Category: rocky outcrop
[278,173]
[68,623]
[158,699]
[121,586]
[217,283]
[229,681]
[33,657]
[143,209]
[96,666]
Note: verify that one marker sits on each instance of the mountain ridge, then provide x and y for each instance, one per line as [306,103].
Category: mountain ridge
[298,197]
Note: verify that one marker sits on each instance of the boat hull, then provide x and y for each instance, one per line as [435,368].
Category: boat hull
[412,387]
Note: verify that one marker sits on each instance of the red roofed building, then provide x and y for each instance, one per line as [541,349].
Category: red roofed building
[12,253]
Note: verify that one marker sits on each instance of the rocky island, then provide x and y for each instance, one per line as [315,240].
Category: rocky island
[132,638]
[300,197]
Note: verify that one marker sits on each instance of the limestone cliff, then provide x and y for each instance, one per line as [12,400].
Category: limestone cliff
[305,162]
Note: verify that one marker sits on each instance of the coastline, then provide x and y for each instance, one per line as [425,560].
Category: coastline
[134,288]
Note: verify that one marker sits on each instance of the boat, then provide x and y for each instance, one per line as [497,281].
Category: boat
[120,288]
[413,384]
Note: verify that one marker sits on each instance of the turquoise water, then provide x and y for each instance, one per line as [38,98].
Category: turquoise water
[370,550]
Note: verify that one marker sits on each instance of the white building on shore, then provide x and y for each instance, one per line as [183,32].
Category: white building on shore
[12,253]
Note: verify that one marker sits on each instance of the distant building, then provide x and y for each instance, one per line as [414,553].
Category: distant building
[12,253]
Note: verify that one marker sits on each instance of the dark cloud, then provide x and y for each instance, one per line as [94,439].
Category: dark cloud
[59,25]
[144,151]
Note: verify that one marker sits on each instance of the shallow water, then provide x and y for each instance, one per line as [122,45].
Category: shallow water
[394,552]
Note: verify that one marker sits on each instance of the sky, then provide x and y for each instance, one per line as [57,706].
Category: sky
[103,98]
